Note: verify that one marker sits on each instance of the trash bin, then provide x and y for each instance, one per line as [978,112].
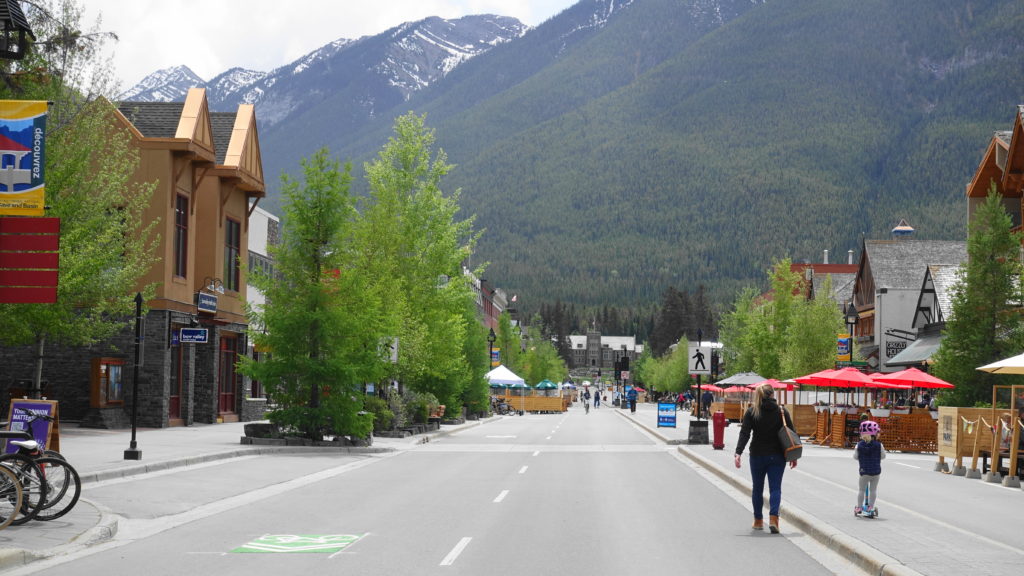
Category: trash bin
[718,421]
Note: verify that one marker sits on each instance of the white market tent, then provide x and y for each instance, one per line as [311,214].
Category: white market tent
[502,376]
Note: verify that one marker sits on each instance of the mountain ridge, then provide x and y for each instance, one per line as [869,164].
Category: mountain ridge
[624,147]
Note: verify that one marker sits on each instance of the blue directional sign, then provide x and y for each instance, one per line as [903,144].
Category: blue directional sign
[206,303]
[193,336]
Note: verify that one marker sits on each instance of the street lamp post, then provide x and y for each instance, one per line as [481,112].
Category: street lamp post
[491,337]
[851,323]
[133,452]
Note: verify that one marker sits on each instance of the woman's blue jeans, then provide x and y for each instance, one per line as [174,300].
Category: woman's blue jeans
[771,466]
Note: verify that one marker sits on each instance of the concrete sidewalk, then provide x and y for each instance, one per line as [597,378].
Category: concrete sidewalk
[931,521]
[98,455]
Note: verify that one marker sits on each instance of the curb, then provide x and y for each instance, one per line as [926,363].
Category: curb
[864,556]
[159,466]
[104,530]
[107,526]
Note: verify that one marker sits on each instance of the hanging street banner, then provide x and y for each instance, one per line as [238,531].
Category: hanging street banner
[22,157]
[844,348]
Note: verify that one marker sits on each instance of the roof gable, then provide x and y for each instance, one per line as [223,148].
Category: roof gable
[243,149]
[194,122]
[898,264]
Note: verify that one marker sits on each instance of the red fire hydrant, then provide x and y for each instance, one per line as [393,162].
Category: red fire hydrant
[718,420]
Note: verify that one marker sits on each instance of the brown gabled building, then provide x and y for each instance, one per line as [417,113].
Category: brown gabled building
[208,176]
[1003,165]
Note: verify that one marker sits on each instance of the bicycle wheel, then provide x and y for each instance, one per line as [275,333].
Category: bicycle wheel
[10,497]
[33,487]
[63,487]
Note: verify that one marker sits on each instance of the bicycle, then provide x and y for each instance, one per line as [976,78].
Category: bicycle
[11,496]
[45,475]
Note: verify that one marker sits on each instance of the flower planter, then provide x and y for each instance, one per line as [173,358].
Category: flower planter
[934,414]
[880,412]
[901,410]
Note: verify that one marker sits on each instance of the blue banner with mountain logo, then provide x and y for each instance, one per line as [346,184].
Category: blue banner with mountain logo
[22,157]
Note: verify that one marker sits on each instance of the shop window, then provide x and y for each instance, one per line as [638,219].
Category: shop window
[107,382]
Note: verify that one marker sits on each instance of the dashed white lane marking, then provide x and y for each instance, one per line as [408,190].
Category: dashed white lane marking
[501,496]
[523,469]
[450,558]
[536,452]
[907,465]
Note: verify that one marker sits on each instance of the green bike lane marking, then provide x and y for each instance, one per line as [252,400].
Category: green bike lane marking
[298,544]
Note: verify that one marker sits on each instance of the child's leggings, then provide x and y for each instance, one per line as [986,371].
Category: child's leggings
[868,481]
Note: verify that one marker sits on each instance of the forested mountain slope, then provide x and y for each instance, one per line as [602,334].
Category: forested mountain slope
[689,142]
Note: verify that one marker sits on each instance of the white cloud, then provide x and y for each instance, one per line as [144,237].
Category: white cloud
[210,36]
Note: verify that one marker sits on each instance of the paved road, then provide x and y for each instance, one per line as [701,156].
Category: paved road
[538,494]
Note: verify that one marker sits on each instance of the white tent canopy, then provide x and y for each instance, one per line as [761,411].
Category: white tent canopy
[502,376]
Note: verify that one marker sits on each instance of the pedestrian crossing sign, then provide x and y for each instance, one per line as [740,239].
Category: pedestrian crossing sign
[699,360]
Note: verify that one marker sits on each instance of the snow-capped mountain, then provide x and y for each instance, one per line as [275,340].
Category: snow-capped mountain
[166,85]
[373,70]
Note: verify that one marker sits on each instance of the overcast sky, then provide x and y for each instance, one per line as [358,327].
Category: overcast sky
[210,36]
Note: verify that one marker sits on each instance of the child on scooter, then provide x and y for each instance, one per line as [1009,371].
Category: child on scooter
[870,453]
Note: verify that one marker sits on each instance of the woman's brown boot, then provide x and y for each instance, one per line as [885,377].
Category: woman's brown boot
[773,524]
[758,524]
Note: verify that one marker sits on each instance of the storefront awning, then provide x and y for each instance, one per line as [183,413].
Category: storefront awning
[917,352]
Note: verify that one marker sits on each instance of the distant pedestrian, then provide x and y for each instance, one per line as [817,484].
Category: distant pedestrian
[706,399]
[763,420]
[870,453]
[631,397]
[597,399]
[586,396]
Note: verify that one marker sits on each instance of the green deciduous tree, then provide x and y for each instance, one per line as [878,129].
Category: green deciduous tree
[324,322]
[105,247]
[411,247]
[783,335]
[985,323]
[811,336]
[541,360]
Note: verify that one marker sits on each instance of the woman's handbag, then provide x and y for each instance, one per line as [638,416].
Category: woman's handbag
[792,448]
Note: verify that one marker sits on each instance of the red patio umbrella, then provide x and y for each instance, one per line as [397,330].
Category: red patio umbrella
[849,377]
[711,387]
[736,389]
[885,385]
[914,378]
[816,379]
[774,384]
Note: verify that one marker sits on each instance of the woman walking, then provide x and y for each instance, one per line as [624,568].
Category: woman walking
[763,419]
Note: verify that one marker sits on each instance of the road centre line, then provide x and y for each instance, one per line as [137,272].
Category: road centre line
[536,452]
[501,496]
[454,554]
[523,469]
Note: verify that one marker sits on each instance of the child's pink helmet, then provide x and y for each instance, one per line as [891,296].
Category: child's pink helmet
[870,428]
